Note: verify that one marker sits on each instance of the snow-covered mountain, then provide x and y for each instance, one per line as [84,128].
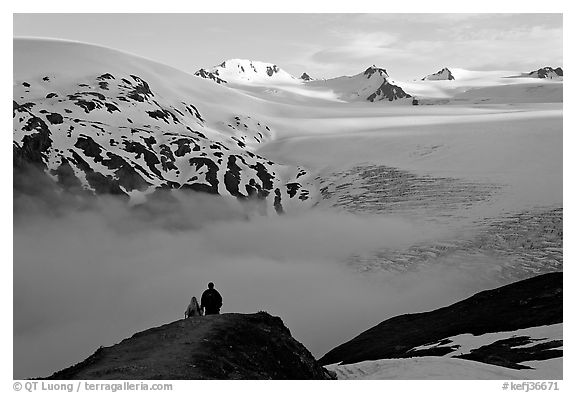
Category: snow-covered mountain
[374,84]
[483,87]
[118,124]
[444,74]
[547,73]
[243,71]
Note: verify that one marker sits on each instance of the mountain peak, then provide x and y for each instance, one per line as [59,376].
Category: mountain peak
[373,70]
[306,77]
[443,74]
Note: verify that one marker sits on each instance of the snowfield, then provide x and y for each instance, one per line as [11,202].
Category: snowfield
[444,369]
[474,171]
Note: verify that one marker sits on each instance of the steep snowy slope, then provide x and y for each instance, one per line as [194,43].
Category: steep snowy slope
[104,121]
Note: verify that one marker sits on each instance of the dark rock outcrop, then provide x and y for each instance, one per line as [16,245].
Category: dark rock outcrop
[375,70]
[547,73]
[227,346]
[203,73]
[388,91]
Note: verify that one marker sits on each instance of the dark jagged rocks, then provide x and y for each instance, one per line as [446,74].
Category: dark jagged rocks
[227,346]
[547,73]
[202,73]
[306,77]
[388,91]
[375,70]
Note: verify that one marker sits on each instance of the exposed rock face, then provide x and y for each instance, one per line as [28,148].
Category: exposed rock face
[386,90]
[444,74]
[306,77]
[227,346]
[375,70]
[202,73]
[530,303]
[547,73]
[115,135]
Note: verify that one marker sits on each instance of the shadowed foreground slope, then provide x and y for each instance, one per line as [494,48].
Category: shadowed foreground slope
[227,346]
[534,302]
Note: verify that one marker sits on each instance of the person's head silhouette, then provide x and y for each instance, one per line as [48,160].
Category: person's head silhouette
[211,285]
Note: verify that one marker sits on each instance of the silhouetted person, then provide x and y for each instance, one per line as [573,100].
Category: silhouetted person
[211,300]
[193,309]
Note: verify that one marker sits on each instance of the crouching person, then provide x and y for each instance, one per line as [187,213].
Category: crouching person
[193,309]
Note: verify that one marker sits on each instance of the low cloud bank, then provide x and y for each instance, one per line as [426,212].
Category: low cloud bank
[92,275]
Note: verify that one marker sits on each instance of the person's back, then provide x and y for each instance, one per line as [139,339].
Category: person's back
[211,301]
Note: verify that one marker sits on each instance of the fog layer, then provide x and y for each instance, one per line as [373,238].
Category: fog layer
[96,275]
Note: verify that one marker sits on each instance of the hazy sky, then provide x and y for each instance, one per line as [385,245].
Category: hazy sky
[409,46]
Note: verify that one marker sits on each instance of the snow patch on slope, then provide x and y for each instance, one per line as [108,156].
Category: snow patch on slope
[466,343]
[436,368]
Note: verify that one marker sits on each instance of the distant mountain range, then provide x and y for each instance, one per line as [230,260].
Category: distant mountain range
[372,85]
[542,73]
[101,121]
